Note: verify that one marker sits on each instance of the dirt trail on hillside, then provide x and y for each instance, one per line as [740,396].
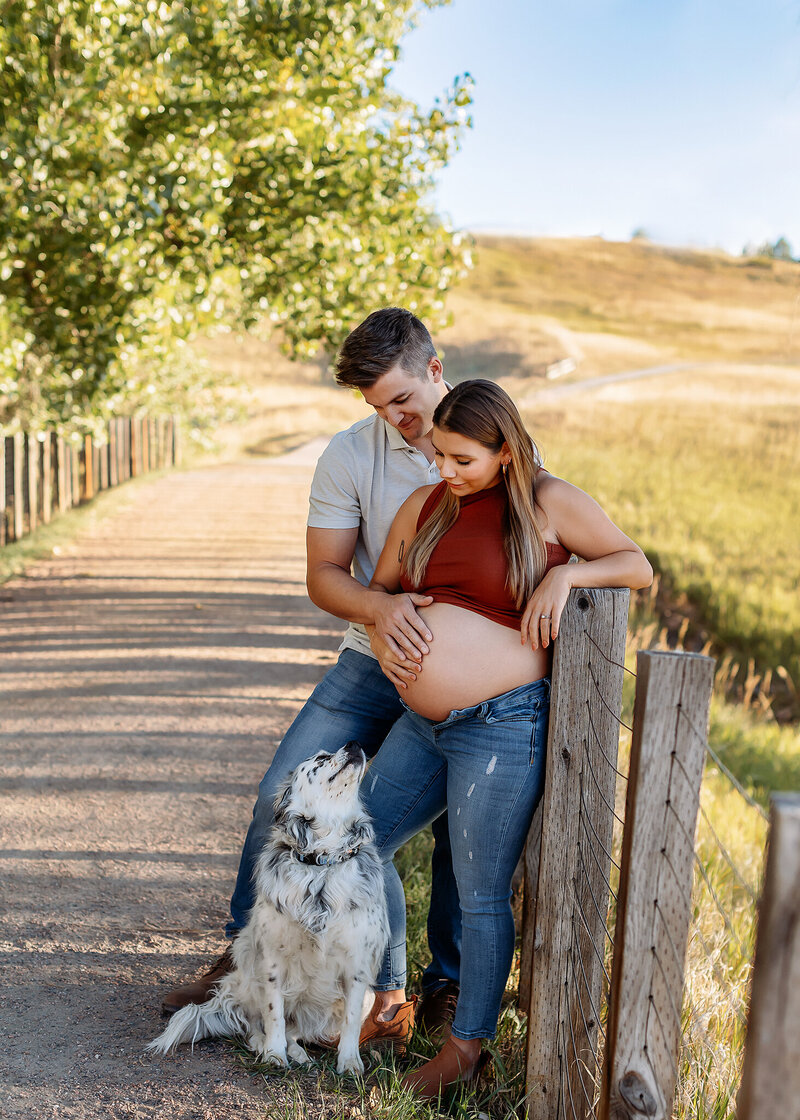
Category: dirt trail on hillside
[146,676]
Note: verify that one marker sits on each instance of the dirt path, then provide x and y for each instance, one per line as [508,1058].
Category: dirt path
[146,676]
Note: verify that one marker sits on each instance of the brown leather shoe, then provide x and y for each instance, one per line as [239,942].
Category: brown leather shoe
[438,1008]
[388,1034]
[392,1033]
[199,990]
[450,1067]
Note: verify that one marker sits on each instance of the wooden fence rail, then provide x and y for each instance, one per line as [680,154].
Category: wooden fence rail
[43,474]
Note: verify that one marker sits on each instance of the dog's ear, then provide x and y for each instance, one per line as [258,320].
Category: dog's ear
[281,803]
[299,829]
[361,832]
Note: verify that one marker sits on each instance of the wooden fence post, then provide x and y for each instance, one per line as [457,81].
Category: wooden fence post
[18,457]
[573,875]
[87,457]
[61,475]
[771,1074]
[175,433]
[46,471]
[673,694]
[3,493]
[75,468]
[31,472]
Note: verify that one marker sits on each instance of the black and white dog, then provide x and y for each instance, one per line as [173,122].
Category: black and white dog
[305,962]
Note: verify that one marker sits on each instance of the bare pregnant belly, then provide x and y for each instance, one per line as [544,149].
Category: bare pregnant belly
[471,659]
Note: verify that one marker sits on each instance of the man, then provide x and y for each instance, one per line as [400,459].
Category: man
[361,480]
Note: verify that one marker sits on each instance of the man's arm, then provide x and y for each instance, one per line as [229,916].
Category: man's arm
[329,553]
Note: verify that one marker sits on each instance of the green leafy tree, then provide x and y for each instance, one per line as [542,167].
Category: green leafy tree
[166,165]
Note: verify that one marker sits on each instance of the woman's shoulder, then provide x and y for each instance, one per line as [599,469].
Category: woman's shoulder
[558,500]
[553,492]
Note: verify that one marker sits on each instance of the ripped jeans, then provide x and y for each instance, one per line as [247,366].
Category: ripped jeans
[485,765]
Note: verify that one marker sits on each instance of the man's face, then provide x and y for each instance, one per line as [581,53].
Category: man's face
[406,401]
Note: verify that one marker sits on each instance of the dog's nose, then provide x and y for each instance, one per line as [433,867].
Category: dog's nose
[354,752]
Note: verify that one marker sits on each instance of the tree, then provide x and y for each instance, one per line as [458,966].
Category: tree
[779,250]
[164,165]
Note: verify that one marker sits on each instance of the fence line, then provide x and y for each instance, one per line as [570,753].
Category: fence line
[43,474]
[706,1019]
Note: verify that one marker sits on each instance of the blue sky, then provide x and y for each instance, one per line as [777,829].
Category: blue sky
[681,117]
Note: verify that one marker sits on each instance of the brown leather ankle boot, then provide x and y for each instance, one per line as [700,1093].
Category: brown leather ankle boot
[198,991]
[450,1067]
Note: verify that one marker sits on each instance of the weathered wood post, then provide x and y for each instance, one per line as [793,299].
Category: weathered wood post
[771,1074]
[75,460]
[46,471]
[89,478]
[3,493]
[113,454]
[566,965]
[18,458]
[31,470]
[62,501]
[673,694]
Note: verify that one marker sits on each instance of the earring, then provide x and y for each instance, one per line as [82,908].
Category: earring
[505,469]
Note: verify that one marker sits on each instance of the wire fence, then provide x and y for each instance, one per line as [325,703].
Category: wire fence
[710,1019]
[708,835]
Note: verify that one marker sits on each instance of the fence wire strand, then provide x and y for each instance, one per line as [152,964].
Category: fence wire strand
[578,991]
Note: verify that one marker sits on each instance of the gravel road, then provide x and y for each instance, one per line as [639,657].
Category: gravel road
[147,674]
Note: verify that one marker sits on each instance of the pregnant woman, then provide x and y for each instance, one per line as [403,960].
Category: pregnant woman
[491,544]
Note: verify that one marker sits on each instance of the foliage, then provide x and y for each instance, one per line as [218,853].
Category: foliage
[780,250]
[166,165]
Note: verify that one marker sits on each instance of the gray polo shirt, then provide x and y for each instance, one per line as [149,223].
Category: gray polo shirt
[362,478]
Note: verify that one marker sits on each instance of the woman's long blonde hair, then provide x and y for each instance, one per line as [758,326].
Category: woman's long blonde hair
[482,411]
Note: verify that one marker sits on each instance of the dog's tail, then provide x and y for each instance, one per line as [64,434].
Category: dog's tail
[218,1017]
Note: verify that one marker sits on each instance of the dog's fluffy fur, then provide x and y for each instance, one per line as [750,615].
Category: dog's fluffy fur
[305,962]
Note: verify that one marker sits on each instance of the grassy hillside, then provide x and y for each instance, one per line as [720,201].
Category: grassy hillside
[617,305]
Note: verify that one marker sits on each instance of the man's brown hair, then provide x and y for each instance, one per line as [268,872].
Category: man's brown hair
[389,337]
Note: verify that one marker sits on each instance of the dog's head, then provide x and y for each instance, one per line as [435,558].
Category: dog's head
[318,810]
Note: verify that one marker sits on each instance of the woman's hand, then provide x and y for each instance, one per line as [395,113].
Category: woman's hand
[542,616]
[397,671]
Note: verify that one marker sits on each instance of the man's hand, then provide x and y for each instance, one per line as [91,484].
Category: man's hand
[399,627]
[397,671]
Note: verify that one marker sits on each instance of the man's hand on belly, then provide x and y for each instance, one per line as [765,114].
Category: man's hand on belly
[397,671]
[399,627]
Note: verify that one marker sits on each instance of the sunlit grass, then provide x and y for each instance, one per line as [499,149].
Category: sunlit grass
[710,487]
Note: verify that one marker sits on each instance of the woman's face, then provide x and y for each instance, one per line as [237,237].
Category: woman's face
[464,464]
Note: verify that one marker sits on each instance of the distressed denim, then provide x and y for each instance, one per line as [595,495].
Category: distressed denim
[354,700]
[484,768]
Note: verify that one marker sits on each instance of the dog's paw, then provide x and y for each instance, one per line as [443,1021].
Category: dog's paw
[297,1054]
[272,1056]
[350,1063]
[273,1059]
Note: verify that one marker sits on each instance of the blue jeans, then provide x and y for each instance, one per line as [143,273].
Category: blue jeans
[354,700]
[485,766]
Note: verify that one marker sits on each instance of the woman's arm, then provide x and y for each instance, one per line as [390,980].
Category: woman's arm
[399,657]
[611,558]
